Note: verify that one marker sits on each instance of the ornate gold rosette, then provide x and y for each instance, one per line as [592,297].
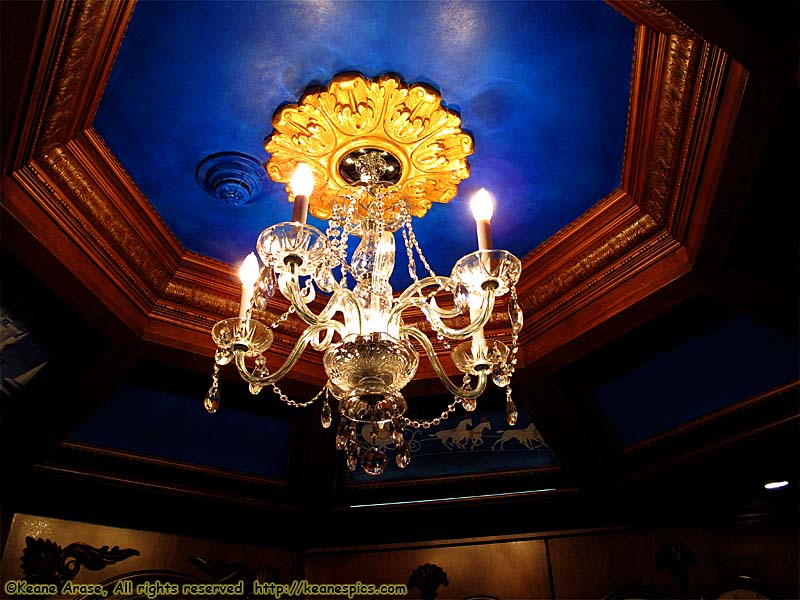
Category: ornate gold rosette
[406,121]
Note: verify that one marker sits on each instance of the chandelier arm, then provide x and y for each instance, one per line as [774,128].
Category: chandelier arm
[444,313]
[289,285]
[301,344]
[437,366]
[485,312]
[414,288]
[322,344]
[337,302]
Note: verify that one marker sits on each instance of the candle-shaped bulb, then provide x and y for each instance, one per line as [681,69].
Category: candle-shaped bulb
[482,208]
[482,205]
[302,183]
[248,272]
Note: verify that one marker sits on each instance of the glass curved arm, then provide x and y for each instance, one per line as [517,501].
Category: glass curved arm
[340,298]
[320,342]
[289,285]
[301,344]
[444,313]
[419,285]
[485,311]
[437,366]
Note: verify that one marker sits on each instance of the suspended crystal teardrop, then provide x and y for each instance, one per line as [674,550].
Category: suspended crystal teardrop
[374,461]
[500,376]
[254,388]
[309,293]
[268,283]
[511,413]
[403,457]
[461,297]
[223,356]
[515,315]
[260,370]
[211,401]
[469,404]
[325,416]
[397,437]
[342,434]
[352,458]
[325,279]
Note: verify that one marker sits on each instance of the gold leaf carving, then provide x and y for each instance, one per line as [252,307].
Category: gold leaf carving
[590,263]
[679,77]
[139,264]
[86,21]
[408,121]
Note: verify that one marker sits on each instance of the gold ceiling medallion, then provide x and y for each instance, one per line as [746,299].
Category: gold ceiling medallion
[422,142]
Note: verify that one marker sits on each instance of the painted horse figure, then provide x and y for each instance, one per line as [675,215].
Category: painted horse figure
[458,436]
[526,437]
[476,435]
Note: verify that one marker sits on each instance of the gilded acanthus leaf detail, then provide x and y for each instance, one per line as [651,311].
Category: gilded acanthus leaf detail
[407,121]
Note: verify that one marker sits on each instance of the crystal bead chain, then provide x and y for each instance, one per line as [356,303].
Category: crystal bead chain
[333,233]
[211,401]
[412,265]
[514,336]
[347,228]
[282,319]
[451,408]
[284,398]
[469,404]
[416,246]
[511,408]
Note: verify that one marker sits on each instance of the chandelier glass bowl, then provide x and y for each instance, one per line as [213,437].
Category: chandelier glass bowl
[367,156]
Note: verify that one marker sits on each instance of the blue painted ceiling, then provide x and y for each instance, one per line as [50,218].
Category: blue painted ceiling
[708,360]
[542,86]
[155,422]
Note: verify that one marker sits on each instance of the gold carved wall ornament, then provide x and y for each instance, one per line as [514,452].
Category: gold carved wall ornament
[423,139]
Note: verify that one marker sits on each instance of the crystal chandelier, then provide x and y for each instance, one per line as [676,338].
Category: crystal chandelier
[367,155]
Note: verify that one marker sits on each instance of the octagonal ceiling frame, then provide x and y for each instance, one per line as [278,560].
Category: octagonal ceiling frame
[68,204]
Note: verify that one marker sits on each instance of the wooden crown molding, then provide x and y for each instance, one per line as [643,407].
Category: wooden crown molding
[722,428]
[68,191]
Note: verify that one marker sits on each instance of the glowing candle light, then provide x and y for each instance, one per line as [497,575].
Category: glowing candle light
[302,184]
[248,274]
[482,208]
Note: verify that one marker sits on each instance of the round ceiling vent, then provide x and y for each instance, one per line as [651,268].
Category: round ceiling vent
[233,177]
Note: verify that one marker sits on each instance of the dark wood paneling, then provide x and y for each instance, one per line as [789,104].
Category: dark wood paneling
[591,566]
[503,570]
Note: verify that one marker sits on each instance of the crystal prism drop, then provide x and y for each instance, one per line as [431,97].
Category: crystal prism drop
[499,376]
[403,457]
[469,404]
[511,413]
[352,459]
[461,297]
[308,294]
[515,315]
[223,356]
[325,416]
[268,282]
[342,434]
[374,461]
[260,371]
[211,401]
[397,437]
[325,279]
